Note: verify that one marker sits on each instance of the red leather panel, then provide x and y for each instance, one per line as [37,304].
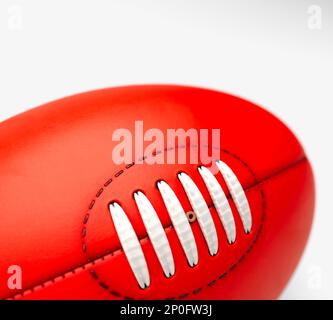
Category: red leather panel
[56,161]
[261,273]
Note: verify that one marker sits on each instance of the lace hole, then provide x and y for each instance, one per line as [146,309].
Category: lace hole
[191,216]
[192,266]
[168,276]
[144,288]
[138,191]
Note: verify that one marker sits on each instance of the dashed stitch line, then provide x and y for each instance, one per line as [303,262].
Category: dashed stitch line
[92,263]
[155,153]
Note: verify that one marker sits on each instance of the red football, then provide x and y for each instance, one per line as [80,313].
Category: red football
[83,225]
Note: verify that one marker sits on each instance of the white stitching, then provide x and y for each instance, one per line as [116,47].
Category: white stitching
[221,203]
[156,233]
[130,244]
[180,222]
[237,194]
[201,211]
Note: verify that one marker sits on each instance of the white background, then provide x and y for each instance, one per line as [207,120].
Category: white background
[265,51]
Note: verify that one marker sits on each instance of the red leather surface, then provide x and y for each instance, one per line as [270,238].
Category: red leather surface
[56,159]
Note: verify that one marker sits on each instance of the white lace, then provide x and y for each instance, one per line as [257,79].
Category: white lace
[180,222]
[129,240]
[220,202]
[201,211]
[156,233]
[131,245]
[238,195]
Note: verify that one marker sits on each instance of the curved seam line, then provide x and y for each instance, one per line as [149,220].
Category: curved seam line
[106,287]
[90,264]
